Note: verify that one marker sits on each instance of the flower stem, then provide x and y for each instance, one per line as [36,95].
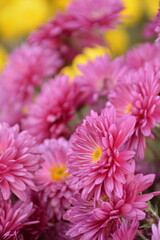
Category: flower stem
[154,213]
[141,235]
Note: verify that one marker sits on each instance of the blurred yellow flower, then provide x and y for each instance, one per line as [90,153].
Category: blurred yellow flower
[59,5]
[151,7]
[133,11]
[3,57]
[117,40]
[19,17]
[88,54]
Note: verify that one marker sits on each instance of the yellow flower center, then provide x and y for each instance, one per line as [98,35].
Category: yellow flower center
[128,108]
[57,173]
[25,109]
[105,199]
[97,154]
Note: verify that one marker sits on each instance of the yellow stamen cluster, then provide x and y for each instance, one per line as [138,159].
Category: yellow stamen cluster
[58,173]
[128,108]
[97,154]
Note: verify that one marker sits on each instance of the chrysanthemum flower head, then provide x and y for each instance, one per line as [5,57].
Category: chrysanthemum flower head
[127,230]
[18,162]
[139,96]
[54,108]
[137,57]
[99,76]
[70,32]
[100,219]
[37,218]
[153,27]
[13,218]
[103,14]
[52,178]
[26,69]
[96,162]
[63,34]
[88,54]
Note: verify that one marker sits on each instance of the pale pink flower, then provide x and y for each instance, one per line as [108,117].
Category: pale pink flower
[52,178]
[138,95]
[18,161]
[156,231]
[96,162]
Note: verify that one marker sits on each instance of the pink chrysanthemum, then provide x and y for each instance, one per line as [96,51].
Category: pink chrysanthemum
[27,67]
[137,57]
[63,34]
[156,231]
[54,108]
[96,162]
[13,219]
[11,105]
[99,76]
[139,96]
[99,220]
[68,33]
[153,28]
[52,178]
[18,161]
[127,230]
[38,217]
[96,13]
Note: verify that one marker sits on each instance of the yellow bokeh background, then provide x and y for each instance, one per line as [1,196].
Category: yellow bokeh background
[19,17]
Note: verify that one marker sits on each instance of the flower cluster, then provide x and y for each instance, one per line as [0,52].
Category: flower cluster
[78,152]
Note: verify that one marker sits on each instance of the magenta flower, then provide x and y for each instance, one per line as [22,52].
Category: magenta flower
[96,162]
[26,69]
[102,13]
[63,34]
[54,108]
[18,162]
[14,218]
[137,57]
[100,76]
[52,178]
[153,28]
[139,96]
[38,217]
[68,33]
[100,220]
[156,231]
[11,105]
[127,230]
